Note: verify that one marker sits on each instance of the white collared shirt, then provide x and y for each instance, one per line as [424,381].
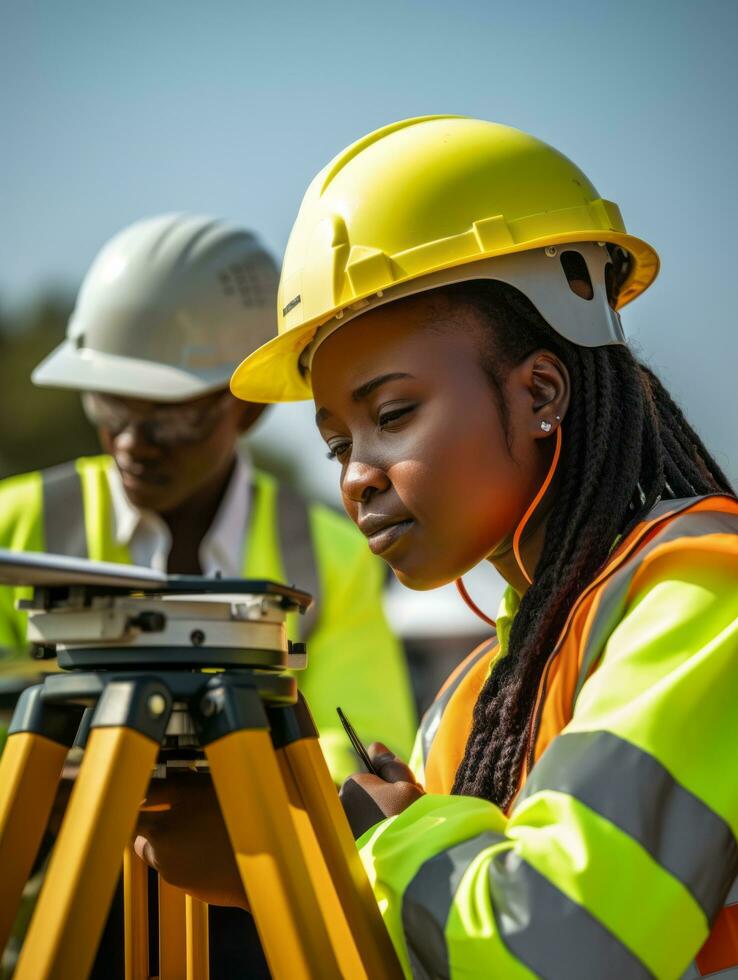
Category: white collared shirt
[149,540]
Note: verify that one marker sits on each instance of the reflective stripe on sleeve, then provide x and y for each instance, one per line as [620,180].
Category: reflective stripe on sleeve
[427,902]
[732,898]
[615,592]
[631,789]
[554,936]
[546,931]
[693,973]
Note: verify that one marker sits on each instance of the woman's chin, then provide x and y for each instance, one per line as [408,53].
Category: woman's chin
[421,580]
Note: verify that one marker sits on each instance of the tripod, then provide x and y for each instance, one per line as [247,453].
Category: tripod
[139,656]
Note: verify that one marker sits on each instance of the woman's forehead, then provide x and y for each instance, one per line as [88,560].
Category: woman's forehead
[390,330]
[395,342]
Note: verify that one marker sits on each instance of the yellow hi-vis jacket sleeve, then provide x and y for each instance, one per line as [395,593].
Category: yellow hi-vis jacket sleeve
[621,847]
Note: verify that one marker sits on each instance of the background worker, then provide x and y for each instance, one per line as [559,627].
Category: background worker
[578,814]
[161,321]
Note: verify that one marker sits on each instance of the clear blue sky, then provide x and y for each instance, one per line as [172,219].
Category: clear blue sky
[113,111]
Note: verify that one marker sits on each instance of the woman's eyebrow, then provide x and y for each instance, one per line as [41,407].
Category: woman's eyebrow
[363,391]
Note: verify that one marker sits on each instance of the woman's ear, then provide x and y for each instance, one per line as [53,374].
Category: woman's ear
[549,389]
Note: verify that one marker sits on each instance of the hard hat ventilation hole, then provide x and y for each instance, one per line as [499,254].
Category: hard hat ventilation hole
[610,287]
[616,272]
[577,274]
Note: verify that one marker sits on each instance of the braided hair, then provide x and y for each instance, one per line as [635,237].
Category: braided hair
[626,445]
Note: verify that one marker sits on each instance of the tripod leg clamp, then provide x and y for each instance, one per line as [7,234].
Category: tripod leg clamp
[141,703]
[290,723]
[58,723]
[228,706]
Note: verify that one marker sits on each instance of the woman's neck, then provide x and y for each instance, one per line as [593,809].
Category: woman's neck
[531,548]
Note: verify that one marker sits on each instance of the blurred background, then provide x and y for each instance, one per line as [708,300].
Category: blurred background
[113,112]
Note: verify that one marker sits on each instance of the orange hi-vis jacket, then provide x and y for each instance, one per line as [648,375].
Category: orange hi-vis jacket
[618,857]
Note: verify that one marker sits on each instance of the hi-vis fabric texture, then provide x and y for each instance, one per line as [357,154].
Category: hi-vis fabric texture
[618,858]
[355,661]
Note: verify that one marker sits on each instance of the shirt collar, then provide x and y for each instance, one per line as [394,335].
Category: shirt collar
[509,605]
[126,517]
[222,548]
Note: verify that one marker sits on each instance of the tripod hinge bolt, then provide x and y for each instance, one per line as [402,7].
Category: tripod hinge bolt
[209,706]
[157,705]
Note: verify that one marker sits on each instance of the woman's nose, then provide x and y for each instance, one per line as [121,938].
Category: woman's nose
[362,480]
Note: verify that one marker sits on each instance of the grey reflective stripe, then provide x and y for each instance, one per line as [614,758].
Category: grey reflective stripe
[64,511]
[693,973]
[538,924]
[551,934]
[732,898]
[614,593]
[666,507]
[427,902]
[432,717]
[298,554]
[631,789]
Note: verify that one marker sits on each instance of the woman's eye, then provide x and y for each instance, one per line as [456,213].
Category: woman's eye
[393,414]
[337,450]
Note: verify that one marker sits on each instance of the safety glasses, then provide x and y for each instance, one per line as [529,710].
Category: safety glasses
[165,425]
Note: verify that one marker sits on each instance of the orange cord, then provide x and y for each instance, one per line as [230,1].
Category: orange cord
[472,605]
[536,501]
[518,534]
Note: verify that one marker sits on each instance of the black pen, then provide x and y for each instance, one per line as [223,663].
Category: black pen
[356,742]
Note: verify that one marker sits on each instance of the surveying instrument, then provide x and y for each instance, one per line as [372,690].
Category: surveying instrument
[160,673]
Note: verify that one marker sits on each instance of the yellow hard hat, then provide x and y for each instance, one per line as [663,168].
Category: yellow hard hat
[420,203]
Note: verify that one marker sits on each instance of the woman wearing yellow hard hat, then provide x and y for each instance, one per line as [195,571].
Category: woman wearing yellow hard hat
[449,299]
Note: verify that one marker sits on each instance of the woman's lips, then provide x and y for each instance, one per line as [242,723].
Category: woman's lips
[383,539]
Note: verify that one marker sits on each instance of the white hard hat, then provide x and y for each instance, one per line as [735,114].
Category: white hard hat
[166,311]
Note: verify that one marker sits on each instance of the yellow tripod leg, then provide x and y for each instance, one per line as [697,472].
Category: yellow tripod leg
[135,915]
[340,934]
[172,932]
[198,951]
[301,750]
[341,855]
[183,935]
[275,872]
[30,766]
[75,898]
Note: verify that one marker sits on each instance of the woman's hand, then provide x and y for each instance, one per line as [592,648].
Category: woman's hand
[182,835]
[367,798]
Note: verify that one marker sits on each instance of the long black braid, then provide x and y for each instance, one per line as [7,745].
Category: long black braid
[626,445]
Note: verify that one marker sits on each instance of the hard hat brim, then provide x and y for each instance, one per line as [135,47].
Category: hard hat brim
[84,369]
[272,374]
